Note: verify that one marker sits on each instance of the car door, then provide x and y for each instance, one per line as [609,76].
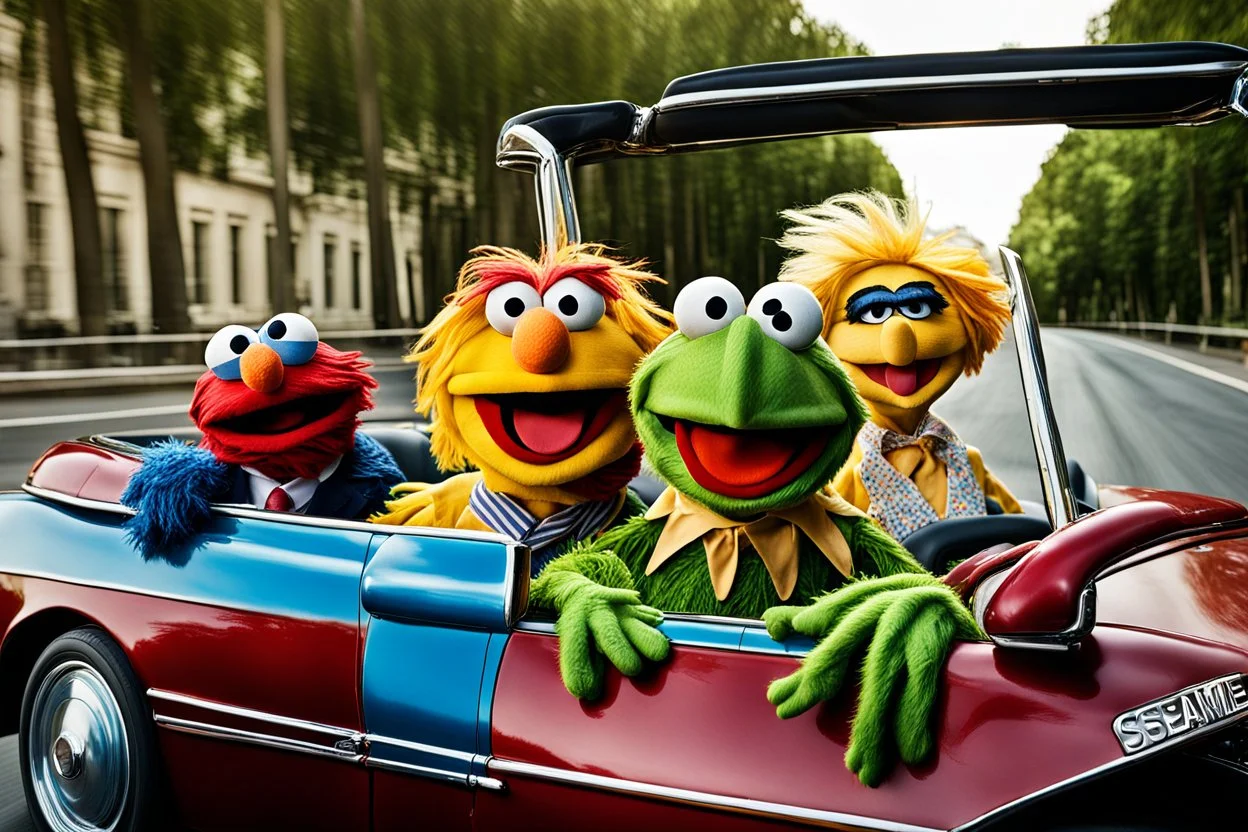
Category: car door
[246,642]
[438,607]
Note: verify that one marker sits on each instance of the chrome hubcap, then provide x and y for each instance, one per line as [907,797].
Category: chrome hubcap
[78,757]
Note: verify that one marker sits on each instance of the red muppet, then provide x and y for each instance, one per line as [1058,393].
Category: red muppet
[278,411]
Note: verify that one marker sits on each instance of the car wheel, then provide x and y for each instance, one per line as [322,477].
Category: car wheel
[88,746]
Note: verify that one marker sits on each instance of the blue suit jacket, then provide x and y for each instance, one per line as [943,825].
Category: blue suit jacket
[172,492]
[357,489]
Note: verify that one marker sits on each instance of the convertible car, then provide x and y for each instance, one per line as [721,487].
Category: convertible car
[297,672]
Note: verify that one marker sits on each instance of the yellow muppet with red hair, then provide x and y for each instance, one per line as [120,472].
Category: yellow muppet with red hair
[906,316]
[526,373]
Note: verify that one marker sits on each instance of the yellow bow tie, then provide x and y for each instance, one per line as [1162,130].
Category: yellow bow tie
[773,536]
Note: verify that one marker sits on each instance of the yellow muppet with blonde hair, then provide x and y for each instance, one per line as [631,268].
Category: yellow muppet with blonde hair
[906,316]
[526,373]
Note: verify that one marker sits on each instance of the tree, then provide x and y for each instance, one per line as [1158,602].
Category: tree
[164,242]
[84,210]
[281,276]
[380,243]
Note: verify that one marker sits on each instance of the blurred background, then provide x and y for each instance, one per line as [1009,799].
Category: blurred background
[170,167]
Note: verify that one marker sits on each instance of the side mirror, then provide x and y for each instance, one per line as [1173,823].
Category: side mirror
[1048,600]
[459,579]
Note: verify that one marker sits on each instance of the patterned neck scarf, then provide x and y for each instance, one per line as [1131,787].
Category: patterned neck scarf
[896,502]
[576,522]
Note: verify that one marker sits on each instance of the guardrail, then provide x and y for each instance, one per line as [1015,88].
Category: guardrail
[133,352]
[1237,336]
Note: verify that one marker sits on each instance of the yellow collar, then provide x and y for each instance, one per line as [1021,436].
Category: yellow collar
[773,536]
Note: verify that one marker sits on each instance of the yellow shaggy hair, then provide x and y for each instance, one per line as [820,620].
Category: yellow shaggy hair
[463,317]
[849,233]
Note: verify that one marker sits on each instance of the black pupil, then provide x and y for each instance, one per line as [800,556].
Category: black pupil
[879,310]
[716,308]
[239,344]
[514,307]
[780,319]
[568,305]
[277,330]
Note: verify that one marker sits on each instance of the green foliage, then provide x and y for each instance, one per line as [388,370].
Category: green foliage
[1113,226]
[450,74]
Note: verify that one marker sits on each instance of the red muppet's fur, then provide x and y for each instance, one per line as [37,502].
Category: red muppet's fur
[305,450]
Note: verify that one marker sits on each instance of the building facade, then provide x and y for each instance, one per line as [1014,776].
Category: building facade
[225,225]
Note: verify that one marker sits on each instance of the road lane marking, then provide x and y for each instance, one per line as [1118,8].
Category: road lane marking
[103,415]
[1193,368]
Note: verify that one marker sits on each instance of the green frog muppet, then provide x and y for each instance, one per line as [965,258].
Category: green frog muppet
[747,414]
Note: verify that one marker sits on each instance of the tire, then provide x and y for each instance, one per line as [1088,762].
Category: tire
[87,740]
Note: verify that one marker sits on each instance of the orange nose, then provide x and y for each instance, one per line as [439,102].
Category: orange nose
[540,341]
[262,368]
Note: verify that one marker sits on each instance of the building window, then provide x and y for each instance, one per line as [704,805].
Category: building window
[236,264]
[197,291]
[356,301]
[36,275]
[116,286]
[330,253]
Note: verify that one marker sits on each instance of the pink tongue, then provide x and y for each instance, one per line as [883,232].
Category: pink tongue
[548,433]
[902,380]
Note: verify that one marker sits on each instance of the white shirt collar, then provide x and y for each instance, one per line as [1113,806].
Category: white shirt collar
[300,490]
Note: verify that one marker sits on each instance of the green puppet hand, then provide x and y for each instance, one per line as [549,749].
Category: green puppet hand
[596,621]
[908,628]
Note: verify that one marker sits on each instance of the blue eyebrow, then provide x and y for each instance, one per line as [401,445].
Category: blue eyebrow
[864,299]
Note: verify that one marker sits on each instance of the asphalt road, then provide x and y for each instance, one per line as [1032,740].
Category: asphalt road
[1127,416]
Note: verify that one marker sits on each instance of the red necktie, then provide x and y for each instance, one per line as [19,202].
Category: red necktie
[278,500]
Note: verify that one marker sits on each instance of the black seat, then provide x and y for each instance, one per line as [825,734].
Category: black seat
[410,449]
[939,545]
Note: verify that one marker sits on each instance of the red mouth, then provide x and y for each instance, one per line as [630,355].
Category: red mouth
[285,417]
[745,464]
[904,381]
[543,428]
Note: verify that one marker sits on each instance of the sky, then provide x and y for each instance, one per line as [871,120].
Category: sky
[970,176]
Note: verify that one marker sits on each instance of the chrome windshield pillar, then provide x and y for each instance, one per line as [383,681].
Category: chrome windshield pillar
[524,149]
[1239,95]
[1059,500]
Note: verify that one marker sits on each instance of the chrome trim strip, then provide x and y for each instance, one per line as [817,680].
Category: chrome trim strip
[548,628]
[280,517]
[438,750]
[219,732]
[1104,768]
[740,805]
[456,777]
[248,713]
[865,86]
[77,502]
[1059,500]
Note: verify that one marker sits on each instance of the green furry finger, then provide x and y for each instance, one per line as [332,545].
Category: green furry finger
[596,621]
[907,627]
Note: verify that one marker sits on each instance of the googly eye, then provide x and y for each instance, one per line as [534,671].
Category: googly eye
[877,313]
[577,305]
[707,305]
[292,336]
[788,313]
[225,350]
[505,304]
[916,310]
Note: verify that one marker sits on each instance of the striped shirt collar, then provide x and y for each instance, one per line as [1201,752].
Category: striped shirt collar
[506,516]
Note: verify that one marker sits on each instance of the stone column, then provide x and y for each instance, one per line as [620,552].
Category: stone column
[12,185]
